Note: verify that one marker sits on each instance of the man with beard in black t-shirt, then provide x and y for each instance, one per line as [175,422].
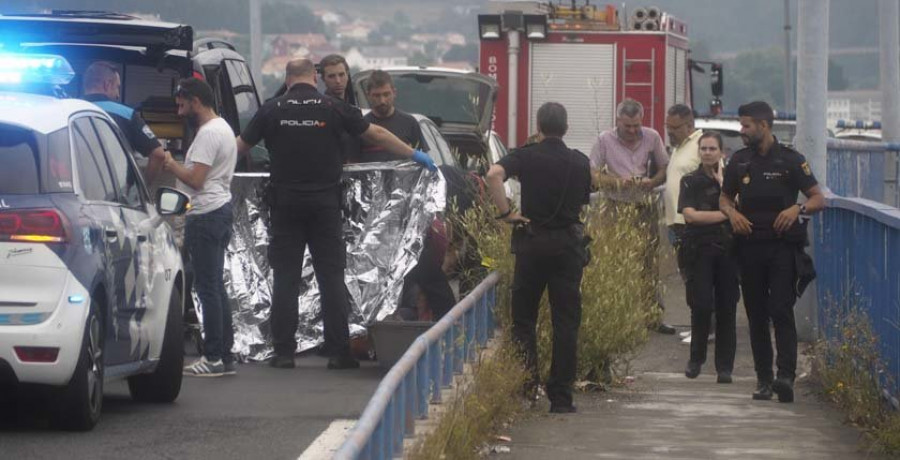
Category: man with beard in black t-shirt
[380,92]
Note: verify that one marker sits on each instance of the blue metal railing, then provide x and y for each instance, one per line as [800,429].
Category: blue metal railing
[422,372]
[864,170]
[857,256]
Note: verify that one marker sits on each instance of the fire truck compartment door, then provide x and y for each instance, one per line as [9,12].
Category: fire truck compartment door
[581,77]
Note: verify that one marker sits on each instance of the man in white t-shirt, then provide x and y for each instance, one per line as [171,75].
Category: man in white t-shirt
[206,178]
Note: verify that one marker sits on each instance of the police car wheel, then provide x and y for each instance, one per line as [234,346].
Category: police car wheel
[164,384]
[82,399]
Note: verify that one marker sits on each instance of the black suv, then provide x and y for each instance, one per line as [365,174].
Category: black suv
[152,56]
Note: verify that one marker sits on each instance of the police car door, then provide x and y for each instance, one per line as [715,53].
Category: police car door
[140,275]
[99,190]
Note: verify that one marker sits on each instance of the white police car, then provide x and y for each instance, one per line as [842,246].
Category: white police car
[91,283]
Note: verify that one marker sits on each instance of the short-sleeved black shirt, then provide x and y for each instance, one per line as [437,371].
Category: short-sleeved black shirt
[351,146]
[129,121]
[701,192]
[302,129]
[547,171]
[767,185]
[400,124]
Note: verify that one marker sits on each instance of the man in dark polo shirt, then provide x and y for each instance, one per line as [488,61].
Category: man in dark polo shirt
[380,92]
[759,196]
[102,85]
[548,243]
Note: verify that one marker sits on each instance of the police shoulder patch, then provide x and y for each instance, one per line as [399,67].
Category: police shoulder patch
[805,168]
[148,132]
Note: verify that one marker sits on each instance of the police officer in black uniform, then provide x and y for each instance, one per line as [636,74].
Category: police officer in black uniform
[764,179]
[302,130]
[102,85]
[548,244]
[710,271]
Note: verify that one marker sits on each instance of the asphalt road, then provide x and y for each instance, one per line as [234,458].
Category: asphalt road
[261,413]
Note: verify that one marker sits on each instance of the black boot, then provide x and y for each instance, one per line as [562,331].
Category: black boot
[692,370]
[282,362]
[666,329]
[562,409]
[723,377]
[784,388]
[763,391]
[342,362]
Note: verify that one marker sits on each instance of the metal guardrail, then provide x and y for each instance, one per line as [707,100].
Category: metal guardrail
[869,170]
[422,372]
[857,257]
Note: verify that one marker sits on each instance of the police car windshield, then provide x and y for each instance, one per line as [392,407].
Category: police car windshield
[32,163]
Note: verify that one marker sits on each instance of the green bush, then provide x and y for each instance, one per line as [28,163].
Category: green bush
[617,304]
[848,369]
[475,415]
[617,294]
[618,290]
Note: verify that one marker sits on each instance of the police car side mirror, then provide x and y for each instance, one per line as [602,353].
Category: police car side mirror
[171,202]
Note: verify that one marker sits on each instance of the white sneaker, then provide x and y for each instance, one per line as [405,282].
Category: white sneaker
[686,340]
[684,334]
[204,368]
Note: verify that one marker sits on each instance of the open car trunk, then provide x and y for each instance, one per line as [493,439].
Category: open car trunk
[151,57]
[96,29]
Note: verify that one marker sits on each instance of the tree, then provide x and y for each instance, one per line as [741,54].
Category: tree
[290,18]
[420,59]
[754,75]
[398,28]
[467,53]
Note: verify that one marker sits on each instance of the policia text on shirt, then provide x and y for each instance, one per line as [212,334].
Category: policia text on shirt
[765,179]
[303,130]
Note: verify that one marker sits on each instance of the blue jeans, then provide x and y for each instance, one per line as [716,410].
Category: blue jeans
[206,237]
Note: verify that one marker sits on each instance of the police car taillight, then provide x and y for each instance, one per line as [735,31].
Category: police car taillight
[33,226]
[34,69]
[37,354]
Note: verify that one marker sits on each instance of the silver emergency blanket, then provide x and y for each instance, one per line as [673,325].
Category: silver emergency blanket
[388,209]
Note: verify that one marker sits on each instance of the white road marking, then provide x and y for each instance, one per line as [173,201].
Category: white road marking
[324,447]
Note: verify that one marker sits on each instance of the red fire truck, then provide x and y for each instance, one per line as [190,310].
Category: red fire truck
[586,57]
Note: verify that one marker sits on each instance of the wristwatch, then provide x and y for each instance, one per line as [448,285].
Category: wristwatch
[802,208]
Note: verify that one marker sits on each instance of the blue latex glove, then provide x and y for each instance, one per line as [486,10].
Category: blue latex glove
[423,159]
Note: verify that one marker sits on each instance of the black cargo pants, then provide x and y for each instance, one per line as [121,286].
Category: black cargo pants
[711,286]
[549,260]
[767,281]
[296,223]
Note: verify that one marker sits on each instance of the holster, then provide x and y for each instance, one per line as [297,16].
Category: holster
[534,240]
[805,270]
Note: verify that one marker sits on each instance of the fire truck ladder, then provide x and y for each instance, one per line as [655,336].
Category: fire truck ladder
[643,84]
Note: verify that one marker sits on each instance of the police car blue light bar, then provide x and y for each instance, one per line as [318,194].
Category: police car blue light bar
[48,69]
[858,124]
